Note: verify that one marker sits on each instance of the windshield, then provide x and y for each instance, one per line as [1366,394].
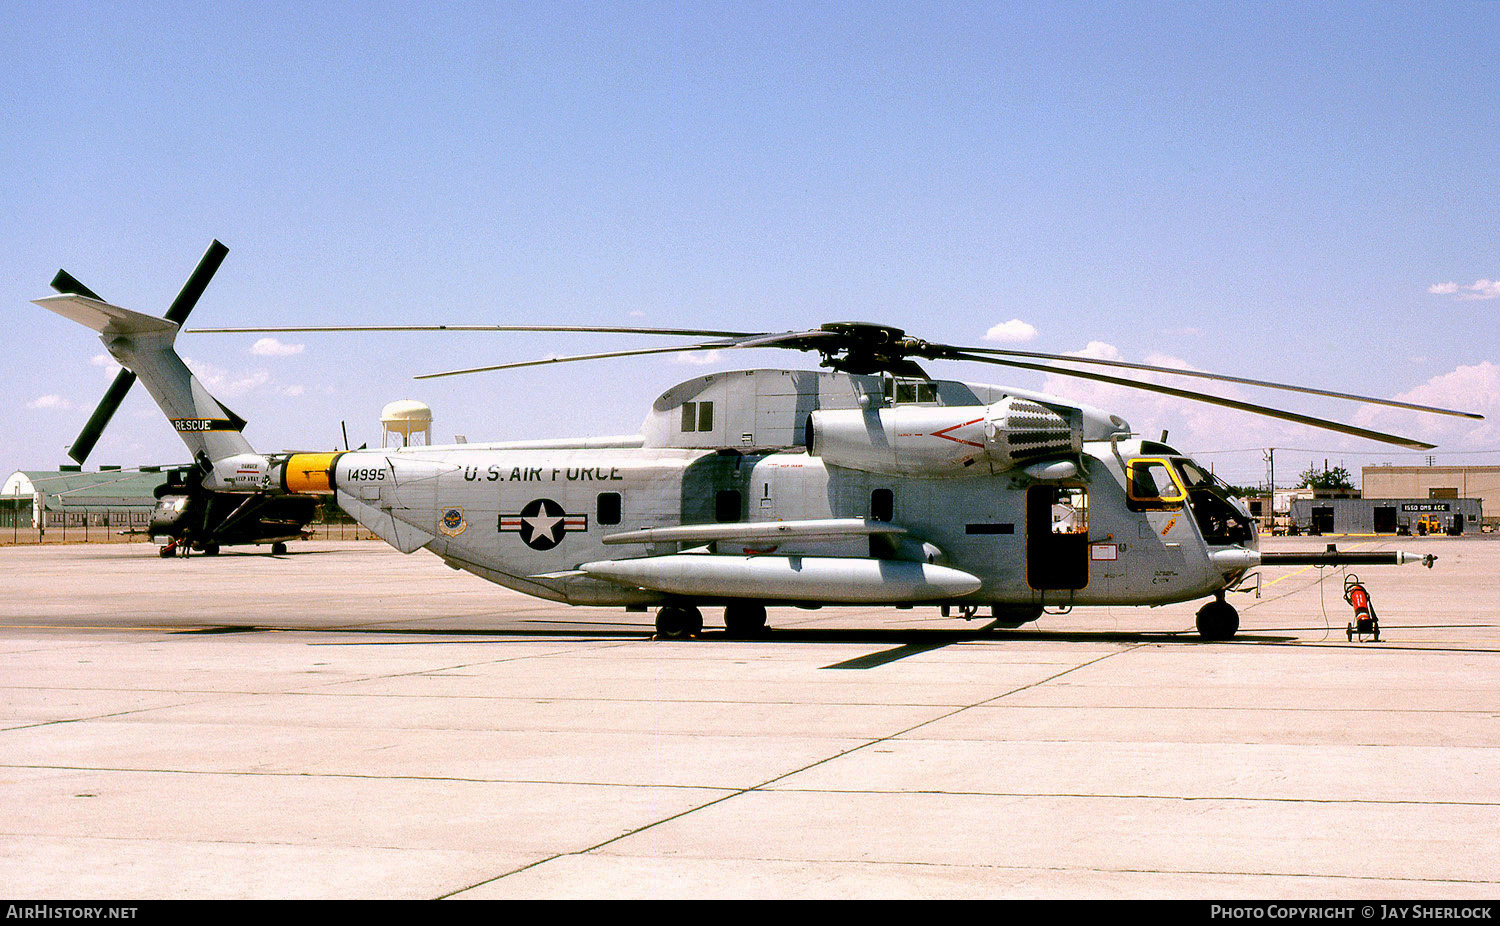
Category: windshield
[1196,477]
[1222,520]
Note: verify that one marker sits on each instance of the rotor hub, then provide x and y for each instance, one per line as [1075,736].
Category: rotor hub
[863,347]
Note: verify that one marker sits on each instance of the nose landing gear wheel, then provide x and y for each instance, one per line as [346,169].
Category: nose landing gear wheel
[677,622]
[1218,620]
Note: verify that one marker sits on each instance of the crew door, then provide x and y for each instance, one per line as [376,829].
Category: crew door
[1057,537]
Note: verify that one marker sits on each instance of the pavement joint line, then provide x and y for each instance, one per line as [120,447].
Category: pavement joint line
[1045,869]
[910,863]
[1169,798]
[99,717]
[352,776]
[811,765]
[736,792]
[528,699]
[335,683]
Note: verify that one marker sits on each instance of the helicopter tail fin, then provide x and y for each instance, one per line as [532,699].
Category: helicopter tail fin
[143,344]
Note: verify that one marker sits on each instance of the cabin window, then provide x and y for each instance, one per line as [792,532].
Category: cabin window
[882,505]
[697,416]
[911,392]
[607,510]
[1151,486]
[728,506]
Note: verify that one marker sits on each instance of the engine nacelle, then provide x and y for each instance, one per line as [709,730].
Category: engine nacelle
[913,440]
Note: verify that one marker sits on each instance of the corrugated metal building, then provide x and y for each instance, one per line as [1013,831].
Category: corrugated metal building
[111,498]
[1385,515]
[1435,482]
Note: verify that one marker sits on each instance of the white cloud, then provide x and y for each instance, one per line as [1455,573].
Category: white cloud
[1098,350]
[1483,289]
[1479,289]
[270,347]
[1469,388]
[224,384]
[697,358]
[107,362]
[50,401]
[1014,331]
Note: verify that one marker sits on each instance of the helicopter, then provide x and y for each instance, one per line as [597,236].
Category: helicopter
[866,482]
[189,515]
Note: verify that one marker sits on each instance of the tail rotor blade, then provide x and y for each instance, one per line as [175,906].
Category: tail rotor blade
[65,282]
[188,296]
[83,445]
[89,436]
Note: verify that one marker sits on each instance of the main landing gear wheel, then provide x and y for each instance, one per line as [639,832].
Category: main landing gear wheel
[744,619]
[1218,620]
[278,549]
[678,622]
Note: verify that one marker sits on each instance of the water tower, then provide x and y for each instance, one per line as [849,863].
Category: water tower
[407,418]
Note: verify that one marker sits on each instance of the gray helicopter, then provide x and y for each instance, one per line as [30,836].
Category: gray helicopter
[864,483]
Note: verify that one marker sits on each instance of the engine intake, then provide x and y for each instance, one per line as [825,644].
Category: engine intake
[945,441]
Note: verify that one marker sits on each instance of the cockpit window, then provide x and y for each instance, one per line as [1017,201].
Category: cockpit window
[1151,486]
[1221,520]
[1196,477]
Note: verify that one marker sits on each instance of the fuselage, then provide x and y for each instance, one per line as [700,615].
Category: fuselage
[528,518]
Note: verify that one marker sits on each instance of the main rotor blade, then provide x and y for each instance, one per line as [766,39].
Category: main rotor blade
[1217,377]
[570,359]
[188,296]
[305,329]
[783,339]
[1210,399]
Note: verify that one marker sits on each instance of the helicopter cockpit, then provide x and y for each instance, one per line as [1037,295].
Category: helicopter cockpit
[1173,482]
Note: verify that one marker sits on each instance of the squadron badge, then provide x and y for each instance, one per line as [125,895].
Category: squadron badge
[452,523]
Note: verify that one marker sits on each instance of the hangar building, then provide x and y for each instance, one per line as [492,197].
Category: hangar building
[1386,515]
[69,499]
[1436,482]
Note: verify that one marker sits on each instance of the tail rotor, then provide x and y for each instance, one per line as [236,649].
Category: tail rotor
[186,299]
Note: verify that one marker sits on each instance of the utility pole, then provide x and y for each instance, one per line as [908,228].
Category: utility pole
[1270,456]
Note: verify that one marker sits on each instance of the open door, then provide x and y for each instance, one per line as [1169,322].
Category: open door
[1057,537]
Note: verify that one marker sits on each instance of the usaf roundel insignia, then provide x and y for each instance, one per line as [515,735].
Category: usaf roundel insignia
[452,523]
[542,523]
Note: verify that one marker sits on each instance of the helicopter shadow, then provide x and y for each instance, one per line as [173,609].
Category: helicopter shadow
[899,643]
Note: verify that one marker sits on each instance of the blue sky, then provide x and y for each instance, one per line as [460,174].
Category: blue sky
[1301,192]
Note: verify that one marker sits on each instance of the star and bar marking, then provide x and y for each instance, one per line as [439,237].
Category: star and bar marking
[543,523]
